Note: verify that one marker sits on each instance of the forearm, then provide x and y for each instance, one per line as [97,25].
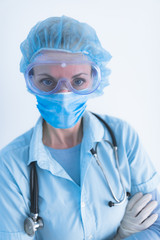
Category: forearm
[151,233]
[147,234]
[140,220]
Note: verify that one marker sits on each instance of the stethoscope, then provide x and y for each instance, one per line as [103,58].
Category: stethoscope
[34,221]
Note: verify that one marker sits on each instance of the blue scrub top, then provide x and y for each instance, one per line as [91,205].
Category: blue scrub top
[71,211]
[69,159]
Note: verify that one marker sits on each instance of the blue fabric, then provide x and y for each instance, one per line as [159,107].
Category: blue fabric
[69,159]
[67,34]
[62,110]
[70,211]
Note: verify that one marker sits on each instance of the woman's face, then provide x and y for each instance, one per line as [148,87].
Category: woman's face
[68,69]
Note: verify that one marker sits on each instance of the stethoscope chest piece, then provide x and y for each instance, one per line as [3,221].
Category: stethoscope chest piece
[31,226]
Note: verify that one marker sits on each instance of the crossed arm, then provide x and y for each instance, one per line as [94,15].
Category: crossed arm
[141,219]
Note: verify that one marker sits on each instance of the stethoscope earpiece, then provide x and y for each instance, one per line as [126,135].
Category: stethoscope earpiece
[128,194]
[31,226]
[111,204]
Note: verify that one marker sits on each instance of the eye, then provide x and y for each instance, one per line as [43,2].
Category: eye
[47,82]
[79,81]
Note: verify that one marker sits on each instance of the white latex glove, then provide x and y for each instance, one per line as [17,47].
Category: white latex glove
[137,215]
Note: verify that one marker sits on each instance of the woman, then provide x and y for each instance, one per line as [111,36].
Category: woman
[83,188]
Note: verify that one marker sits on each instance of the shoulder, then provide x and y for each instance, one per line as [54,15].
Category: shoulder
[16,147]
[114,121]
[120,127]
[117,124]
[126,136]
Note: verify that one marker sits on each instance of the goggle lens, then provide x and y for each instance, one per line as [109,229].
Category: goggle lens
[49,78]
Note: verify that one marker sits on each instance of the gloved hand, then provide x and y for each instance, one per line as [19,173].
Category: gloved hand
[137,216]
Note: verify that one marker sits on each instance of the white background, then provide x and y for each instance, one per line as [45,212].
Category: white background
[128,29]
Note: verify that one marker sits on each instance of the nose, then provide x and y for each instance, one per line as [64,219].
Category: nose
[63,86]
[63,90]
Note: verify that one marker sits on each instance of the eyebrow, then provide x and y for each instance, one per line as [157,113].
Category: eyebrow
[77,75]
[47,75]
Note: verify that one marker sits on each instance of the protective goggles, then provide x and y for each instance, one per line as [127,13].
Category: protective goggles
[49,77]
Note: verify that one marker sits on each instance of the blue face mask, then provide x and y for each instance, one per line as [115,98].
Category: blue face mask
[62,110]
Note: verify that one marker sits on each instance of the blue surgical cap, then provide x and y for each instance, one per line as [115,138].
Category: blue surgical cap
[65,33]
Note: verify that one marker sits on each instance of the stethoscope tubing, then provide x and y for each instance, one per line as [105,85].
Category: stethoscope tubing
[34,191]
[115,149]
